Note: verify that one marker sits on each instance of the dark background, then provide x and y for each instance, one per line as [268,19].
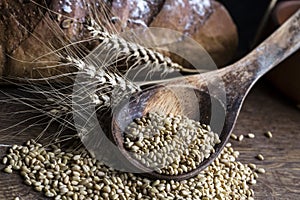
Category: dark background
[247,14]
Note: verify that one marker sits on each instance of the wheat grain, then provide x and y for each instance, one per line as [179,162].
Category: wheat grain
[169,144]
[68,179]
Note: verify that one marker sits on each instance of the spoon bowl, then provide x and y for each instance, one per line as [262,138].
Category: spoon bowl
[214,98]
[166,99]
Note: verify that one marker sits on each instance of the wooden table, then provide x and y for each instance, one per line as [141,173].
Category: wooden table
[263,110]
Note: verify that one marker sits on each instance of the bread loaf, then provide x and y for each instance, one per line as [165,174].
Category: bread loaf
[29,32]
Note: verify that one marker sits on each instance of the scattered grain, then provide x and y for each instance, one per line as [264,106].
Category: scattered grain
[261,170]
[228,144]
[8,169]
[241,137]
[251,135]
[260,157]
[252,166]
[102,182]
[233,136]
[4,161]
[268,134]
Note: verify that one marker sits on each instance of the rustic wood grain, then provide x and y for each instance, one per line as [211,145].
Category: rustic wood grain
[263,110]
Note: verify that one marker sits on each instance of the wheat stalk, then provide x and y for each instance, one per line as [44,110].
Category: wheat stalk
[99,72]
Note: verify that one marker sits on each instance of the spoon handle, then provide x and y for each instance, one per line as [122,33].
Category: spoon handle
[237,79]
[282,43]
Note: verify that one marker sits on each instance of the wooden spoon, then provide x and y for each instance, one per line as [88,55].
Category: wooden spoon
[213,98]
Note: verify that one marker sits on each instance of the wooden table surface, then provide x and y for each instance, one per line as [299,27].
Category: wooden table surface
[263,110]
